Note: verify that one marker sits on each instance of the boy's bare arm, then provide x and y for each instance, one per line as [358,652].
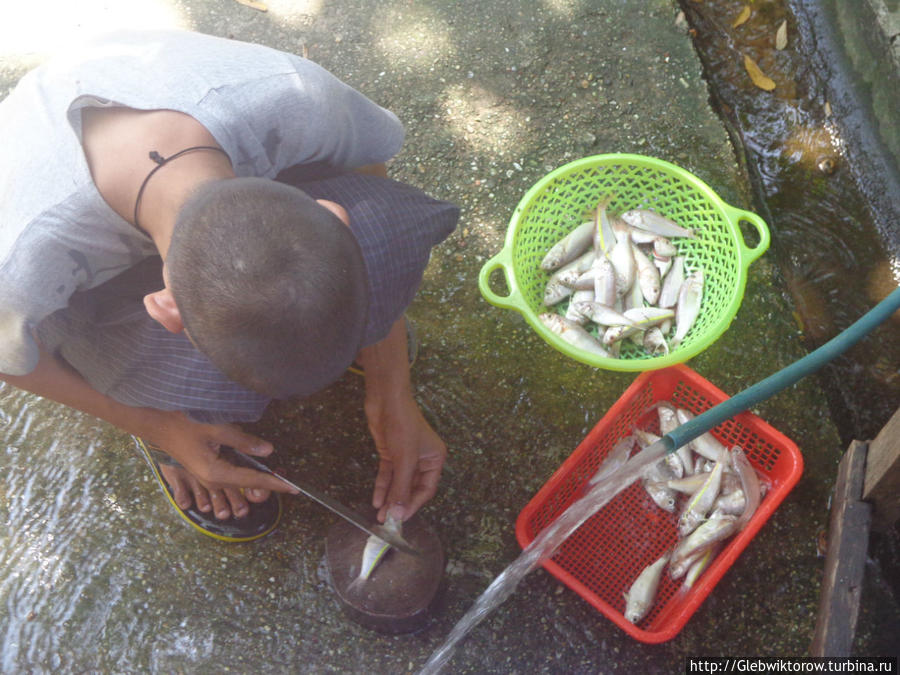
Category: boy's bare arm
[411,454]
[192,444]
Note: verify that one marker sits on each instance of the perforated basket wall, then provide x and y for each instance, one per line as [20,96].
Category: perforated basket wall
[603,557]
[566,197]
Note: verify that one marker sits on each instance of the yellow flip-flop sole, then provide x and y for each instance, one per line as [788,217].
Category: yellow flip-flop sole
[260,521]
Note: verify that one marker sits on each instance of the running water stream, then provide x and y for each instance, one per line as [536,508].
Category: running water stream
[542,547]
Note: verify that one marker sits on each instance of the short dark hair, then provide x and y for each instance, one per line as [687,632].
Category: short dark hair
[270,284]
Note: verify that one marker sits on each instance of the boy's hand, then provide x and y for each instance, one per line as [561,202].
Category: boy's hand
[208,480]
[411,456]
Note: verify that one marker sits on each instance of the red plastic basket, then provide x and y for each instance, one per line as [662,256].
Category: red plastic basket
[603,557]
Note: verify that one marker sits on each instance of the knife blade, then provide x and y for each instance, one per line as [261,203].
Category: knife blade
[240,459]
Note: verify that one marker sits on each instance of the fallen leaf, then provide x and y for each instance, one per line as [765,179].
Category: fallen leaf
[261,6]
[742,17]
[827,109]
[758,76]
[781,36]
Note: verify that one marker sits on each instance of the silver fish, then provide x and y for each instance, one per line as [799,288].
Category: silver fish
[586,281]
[604,281]
[642,593]
[602,314]
[749,484]
[645,437]
[633,298]
[700,464]
[730,481]
[572,333]
[661,496]
[613,335]
[648,316]
[569,247]
[639,236]
[687,484]
[705,444]
[732,503]
[671,461]
[604,237]
[615,459]
[671,283]
[654,342]
[622,261]
[717,527]
[701,502]
[678,568]
[573,312]
[654,482]
[375,550]
[555,292]
[559,285]
[698,567]
[668,421]
[663,264]
[645,219]
[664,248]
[647,275]
[688,307]
[642,318]
[569,273]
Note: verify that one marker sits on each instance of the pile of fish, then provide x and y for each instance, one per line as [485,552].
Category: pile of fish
[716,487]
[624,279]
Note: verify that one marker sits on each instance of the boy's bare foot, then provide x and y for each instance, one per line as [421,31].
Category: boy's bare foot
[187,491]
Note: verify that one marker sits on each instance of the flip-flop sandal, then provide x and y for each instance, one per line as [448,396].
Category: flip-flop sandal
[412,345]
[261,519]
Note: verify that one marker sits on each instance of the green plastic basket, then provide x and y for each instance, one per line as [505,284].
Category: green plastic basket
[562,200]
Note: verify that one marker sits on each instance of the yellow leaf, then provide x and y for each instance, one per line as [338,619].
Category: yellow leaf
[261,6]
[781,36]
[742,17]
[758,76]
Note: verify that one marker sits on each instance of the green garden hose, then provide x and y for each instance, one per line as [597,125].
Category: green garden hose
[786,376]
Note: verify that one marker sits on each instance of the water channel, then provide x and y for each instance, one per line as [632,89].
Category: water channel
[820,152]
[833,221]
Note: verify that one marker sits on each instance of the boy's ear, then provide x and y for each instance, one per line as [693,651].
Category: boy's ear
[162,308]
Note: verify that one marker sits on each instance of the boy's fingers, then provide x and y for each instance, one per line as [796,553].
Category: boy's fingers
[246,443]
[382,483]
[401,484]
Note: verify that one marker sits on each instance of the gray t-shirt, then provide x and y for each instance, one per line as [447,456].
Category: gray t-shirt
[269,110]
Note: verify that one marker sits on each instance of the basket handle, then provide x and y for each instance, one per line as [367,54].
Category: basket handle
[736,216]
[501,261]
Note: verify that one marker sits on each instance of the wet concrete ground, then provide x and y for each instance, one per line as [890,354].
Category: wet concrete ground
[99,575]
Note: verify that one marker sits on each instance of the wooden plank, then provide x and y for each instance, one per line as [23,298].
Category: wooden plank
[882,485]
[845,559]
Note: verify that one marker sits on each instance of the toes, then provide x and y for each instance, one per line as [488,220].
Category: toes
[256,496]
[180,488]
[187,491]
[239,506]
[201,495]
[220,505]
